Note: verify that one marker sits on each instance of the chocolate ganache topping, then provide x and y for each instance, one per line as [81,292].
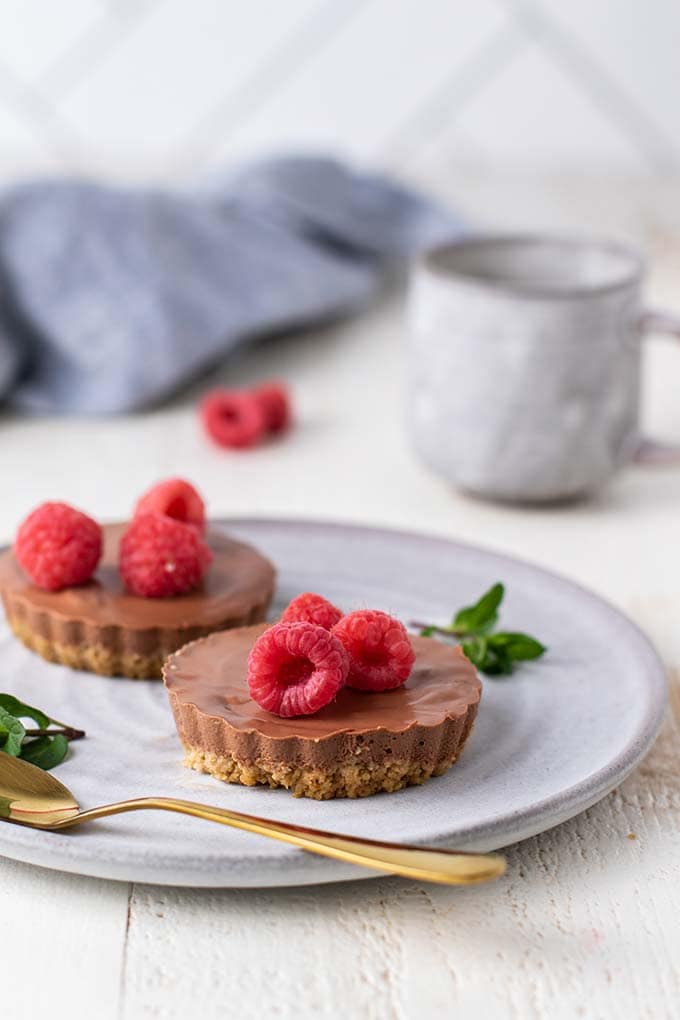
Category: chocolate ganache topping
[207,679]
[238,578]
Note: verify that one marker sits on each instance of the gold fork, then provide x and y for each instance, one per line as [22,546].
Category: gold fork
[29,796]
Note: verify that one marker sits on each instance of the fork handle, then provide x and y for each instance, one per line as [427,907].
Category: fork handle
[450,867]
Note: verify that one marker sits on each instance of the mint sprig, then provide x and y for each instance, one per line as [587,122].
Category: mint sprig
[12,733]
[44,745]
[494,653]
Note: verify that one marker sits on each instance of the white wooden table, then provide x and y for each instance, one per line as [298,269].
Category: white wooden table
[585,924]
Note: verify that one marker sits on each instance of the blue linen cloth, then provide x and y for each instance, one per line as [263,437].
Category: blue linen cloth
[111,299]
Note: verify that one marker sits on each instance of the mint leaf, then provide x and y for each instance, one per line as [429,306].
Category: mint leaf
[482,616]
[11,733]
[46,752]
[476,650]
[21,711]
[5,807]
[44,746]
[492,653]
[517,647]
[497,662]
[490,660]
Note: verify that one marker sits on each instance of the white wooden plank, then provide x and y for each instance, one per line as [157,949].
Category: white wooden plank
[62,943]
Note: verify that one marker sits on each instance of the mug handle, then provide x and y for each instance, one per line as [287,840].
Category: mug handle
[650,451]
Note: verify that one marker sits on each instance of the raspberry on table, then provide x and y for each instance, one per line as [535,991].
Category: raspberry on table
[58,546]
[274,400]
[233,418]
[380,651]
[174,498]
[160,557]
[296,669]
[312,608]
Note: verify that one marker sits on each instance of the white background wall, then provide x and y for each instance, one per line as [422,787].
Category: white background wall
[167,88]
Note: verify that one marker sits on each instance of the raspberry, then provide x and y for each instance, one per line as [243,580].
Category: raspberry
[380,651]
[174,498]
[160,556]
[296,669]
[275,403]
[233,418]
[311,608]
[58,546]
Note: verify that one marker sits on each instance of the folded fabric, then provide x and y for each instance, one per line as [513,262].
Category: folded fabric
[111,299]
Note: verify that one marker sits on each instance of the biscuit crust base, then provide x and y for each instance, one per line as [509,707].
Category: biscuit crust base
[351,779]
[93,658]
[123,661]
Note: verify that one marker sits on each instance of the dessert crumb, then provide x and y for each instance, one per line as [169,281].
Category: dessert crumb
[632,835]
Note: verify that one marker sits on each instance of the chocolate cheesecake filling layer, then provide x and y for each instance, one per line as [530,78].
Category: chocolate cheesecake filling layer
[425,722]
[101,627]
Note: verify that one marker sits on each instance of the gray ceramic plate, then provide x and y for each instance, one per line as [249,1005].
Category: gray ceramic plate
[549,741]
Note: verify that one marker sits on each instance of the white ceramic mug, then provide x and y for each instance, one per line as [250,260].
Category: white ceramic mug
[525,360]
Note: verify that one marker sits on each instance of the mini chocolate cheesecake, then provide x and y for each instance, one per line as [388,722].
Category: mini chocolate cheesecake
[360,744]
[100,627]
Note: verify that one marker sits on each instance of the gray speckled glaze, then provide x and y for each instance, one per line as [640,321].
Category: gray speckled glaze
[525,364]
[548,742]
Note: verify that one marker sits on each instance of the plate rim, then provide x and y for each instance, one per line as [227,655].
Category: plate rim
[520,823]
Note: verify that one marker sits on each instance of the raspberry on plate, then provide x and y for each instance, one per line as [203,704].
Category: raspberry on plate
[312,608]
[296,669]
[174,498]
[380,651]
[275,402]
[233,418]
[160,556]
[58,546]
